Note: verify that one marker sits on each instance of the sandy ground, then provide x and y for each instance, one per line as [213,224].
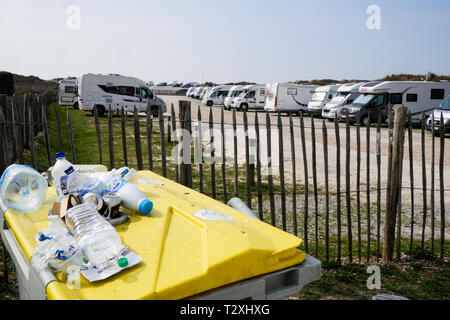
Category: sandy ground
[321,171]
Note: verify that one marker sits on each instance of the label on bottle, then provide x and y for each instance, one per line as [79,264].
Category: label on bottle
[63,184]
[115,185]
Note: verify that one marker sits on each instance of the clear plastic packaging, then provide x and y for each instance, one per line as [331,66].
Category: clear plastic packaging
[90,168]
[56,248]
[97,238]
[22,188]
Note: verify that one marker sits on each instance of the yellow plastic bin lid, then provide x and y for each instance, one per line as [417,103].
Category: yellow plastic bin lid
[190,243]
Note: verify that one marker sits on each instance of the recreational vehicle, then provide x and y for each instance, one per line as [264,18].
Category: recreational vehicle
[253,97]
[233,93]
[288,97]
[67,92]
[189,91]
[322,95]
[103,90]
[376,97]
[444,110]
[205,92]
[196,93]
[217,95]
[346,94]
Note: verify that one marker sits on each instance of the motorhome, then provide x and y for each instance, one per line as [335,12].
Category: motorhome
[377,97]
[346,94]
[100,91]
[444,110]
[322,95]
[233,93]
[217,95]
[197,92]
[67,92]
[205,92]
[288,97]
[189,91]
[253,97]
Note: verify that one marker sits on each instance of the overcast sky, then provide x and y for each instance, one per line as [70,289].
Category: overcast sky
[225,41]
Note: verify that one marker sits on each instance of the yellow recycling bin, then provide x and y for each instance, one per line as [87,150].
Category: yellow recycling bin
[189,244]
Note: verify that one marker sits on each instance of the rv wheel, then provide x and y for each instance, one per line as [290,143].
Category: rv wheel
[76,106]
[209,103]
[244,107]
[365,121]
[100,110]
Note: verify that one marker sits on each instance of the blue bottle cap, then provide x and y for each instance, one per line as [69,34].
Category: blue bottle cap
[145,206]
[69,170]
[60,155]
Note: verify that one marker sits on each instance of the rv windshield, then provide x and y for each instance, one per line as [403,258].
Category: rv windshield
[319,96]
[364,98]
[446,104]
[339,98]
[236,93]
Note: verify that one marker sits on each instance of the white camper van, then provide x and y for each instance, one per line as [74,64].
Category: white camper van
[322,95]
[288,97]
[233,93]
[205,92]
[67,92]
[217,95]
[346,94]
[103,90]
[253,97]
[190,91]
[417,96]
[197,92]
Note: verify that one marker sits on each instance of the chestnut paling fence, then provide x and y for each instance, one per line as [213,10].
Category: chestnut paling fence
[373,220]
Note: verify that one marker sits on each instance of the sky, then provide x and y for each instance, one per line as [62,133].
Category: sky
[225,41]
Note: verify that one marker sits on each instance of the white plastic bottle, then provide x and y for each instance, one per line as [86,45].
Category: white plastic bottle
[98,239]
[22,188]
[132,198]
[58,174]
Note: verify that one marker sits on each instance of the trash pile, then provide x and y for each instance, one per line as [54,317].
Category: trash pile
[81,222]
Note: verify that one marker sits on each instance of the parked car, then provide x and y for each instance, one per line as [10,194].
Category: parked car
[444,110]
[162,84]
[347,93]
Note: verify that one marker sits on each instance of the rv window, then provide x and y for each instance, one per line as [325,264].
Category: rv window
[262,92]
[113,90]
[446,104]
[437,94]
[377,101]
[411,97]
[396,98]
[126,91]
[250,94]
[69,89]
[138,92]
[292,91]
[143,92]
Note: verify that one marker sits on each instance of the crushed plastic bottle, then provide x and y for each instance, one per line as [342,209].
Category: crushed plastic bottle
[132,198]
[81,184]
[22,188]
[97,238]
[56,248]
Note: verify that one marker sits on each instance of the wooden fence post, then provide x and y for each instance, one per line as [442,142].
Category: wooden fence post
[395,183]
[185,124]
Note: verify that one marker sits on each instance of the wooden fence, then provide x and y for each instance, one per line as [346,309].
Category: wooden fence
[336,222]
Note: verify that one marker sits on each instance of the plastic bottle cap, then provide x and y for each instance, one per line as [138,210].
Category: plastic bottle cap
[145,206]
[69,170]
[60,155]
[123,262]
